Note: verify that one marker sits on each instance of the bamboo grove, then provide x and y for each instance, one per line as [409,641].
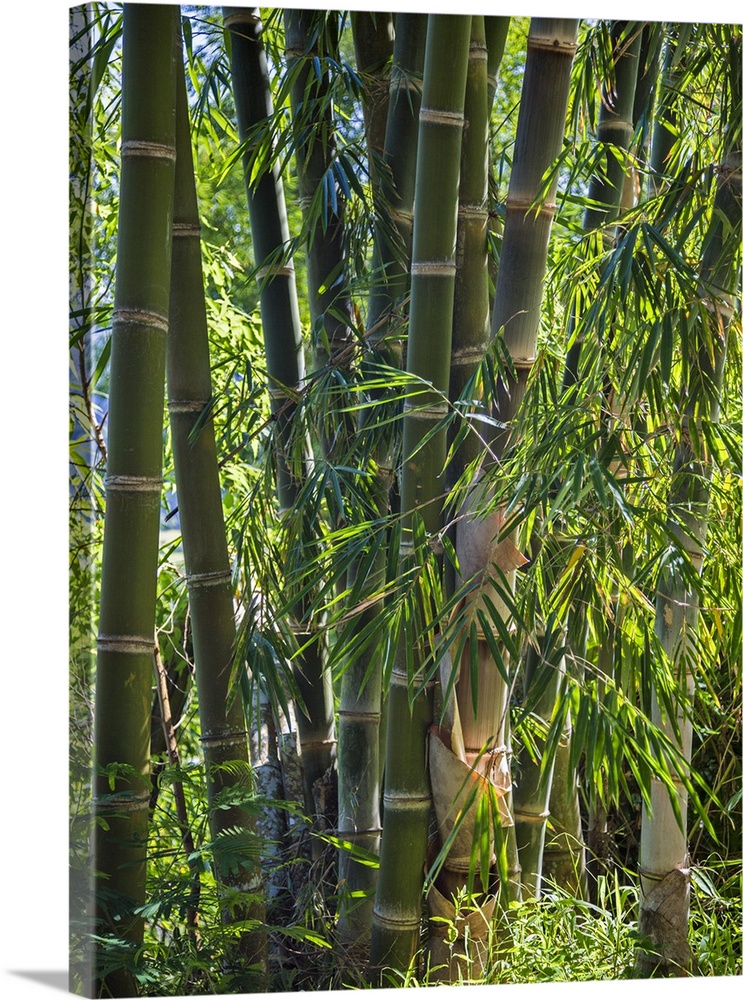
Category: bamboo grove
[405,497]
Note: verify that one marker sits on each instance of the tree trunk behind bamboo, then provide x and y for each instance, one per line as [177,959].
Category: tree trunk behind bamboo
[134,477]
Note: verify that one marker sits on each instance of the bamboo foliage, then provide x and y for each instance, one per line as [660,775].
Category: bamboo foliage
[133,478]
[208,574]
[664,859]
[614,132]
[407,802]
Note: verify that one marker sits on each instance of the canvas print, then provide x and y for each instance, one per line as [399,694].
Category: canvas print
[405,534]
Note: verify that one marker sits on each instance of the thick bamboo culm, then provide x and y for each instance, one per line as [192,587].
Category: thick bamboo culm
[133,477]
[407,801]
[208,574]
[518,295]
[454,759]
[360,746]
[516,307]
[373,39]
[311,36]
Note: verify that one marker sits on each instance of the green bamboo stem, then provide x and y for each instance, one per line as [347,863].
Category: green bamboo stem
[393,233]
[373,38]
[615,130]
[564,856]
[360,733]
[597,832]
[496,33]
[311,35]
[208,574]
[523,259]
[285,364]
[666,118]
[407,798]
[531,795]
[471,325]
[664,860]
[134,477]
[271,239]
[482,730]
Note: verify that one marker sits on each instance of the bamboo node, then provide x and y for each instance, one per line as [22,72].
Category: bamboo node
[616,125]
[275,271]
[125,802]
[142,317]
[514,204]
[185,229]
[153,150]
[435,412]
[213,579]
[225,739]
[478,50]
[134,645]
[468,355]
[133,484]
[403,800]
[476,210]
[186,405]
[437,116]
[240,17]
[433,269]
[552,44]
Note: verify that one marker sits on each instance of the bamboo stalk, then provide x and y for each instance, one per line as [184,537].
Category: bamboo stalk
[454,763]
[285,363]
[407,800]
[615,130]
[208,574]
[523,259]
[373,38]
[664,861]
[310,37]
[360,742]
[529,212]
[133,480]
